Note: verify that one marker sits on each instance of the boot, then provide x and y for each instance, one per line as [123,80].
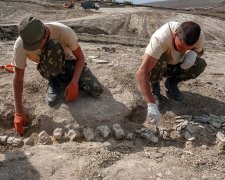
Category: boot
[53,92]
[172,89]
[157,95]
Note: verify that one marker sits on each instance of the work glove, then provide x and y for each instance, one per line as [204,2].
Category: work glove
[71,91]
[20,120]
[153,114]
[189,59]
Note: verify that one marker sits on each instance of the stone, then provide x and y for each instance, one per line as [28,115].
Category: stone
[188,136]
[88,134]
[58,133]
[202,120]
[138,131]
[188,145]
[145,130]
[92,57]
[221,136]
[222,118]
[104,130]
[74,134]
[118,132]
[184,125]
[221,147]
[10,140]
[159,175]
[188,117]
[205,147]
[3,139]
[109,49]
[178,128]
[17,142]
[99,61]
[44,138]
[212,116]
[189,128]
[28,141]
[164,133]
[151,137]
[216,124]
[213,128]
[130,136]
[180,120]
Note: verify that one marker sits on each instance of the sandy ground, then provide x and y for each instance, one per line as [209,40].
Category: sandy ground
[127,32]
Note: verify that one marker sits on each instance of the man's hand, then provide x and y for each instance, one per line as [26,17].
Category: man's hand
[20,120]
[71,91]
[189,59]
[153,114]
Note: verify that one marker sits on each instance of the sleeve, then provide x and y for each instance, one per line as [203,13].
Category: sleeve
[200,43]
[19,55]
[155,48]
[71,40]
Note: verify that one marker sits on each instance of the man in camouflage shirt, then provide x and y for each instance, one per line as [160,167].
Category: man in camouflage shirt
[55,49]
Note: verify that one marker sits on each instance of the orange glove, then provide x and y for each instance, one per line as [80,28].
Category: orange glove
[71,91]
[20,120]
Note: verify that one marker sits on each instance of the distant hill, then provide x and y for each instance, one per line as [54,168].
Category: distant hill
[187,3]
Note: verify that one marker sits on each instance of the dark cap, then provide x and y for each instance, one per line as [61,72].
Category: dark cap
[31,30]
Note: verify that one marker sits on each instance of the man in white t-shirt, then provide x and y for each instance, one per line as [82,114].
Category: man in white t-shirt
[173,52]
[59,58]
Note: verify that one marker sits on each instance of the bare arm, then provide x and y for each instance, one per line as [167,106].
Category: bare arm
[18,89]
[199,54]
[79,65]
[142,77]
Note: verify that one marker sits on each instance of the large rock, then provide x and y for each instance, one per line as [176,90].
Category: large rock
[28,141]
[118,132]
[44,138]
[147,134]
[151,137]
[3,139]
[58,133]
[220,135]
[74,134]
[130,136]
[10,140]
[188,136]
[104,130]
[17,142]
[88,134]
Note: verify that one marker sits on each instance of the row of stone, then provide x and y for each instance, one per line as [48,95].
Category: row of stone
[14,141]
[104,131]
[193,124]
[78,133]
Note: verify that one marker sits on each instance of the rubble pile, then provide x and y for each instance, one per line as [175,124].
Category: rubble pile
[190,126]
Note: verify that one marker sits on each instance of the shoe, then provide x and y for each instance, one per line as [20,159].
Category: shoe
[173,90]
[157,95]
[53,92]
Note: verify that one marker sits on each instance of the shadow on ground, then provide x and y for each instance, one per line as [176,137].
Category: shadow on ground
[15,165]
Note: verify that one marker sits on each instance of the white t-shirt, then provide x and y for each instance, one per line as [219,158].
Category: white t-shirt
[162,42]
[64,34]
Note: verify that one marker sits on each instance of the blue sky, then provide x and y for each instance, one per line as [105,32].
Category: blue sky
[139,1]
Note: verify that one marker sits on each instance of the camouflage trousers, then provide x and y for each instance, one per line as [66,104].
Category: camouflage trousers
[54,66]
[87,82]
[162,69]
